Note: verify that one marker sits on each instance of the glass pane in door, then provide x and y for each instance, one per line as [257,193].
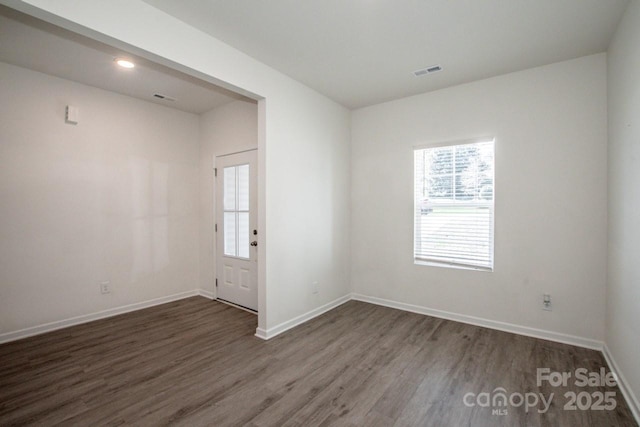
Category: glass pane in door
[236,211]
[230,247]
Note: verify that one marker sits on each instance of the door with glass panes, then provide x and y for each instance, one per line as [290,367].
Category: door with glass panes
[237,233]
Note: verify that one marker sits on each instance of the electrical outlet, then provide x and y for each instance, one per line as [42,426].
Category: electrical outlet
[546,302]
[105,287]
[314,288]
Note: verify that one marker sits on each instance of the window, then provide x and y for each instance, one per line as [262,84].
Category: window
[454,193]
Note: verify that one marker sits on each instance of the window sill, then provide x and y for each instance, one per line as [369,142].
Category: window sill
[454,266]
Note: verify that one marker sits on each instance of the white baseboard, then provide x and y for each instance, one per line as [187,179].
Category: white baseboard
[206,294]
[266,334]
[492,324]
[278,329]
[628,394]
[262,334]
[59,324]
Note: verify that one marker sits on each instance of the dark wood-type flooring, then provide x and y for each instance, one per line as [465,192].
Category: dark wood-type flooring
[196,362]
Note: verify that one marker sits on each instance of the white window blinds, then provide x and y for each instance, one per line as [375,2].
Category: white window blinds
[454,194]
[236,211]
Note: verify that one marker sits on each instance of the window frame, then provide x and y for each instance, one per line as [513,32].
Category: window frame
[450,264]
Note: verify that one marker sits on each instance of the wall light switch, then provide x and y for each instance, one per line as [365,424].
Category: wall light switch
[71,115]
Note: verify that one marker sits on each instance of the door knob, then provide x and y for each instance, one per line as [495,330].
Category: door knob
[254,243]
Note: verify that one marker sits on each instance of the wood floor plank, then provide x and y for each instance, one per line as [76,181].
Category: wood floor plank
[196,362]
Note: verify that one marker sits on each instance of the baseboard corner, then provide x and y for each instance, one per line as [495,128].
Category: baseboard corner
[205,293]
[267,334]
[627,392]
[261,333]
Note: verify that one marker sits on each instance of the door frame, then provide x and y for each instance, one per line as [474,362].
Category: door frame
[262,218]
[218,231]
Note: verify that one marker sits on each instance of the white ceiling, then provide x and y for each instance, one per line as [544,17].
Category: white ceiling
[362,52]
[33,44]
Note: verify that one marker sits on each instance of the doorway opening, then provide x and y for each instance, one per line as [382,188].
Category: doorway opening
[150,174]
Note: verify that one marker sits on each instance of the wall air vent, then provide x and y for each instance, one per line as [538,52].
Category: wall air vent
[428,70]
[165,97]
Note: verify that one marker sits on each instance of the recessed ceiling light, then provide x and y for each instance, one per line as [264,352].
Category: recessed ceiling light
[125,63]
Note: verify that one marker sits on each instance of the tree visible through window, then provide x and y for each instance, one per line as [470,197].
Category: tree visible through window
[454,193]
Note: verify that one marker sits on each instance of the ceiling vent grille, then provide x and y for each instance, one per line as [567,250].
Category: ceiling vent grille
[165,97]
[428,70]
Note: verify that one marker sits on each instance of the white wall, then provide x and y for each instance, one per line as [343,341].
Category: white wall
[304,167]
[550,221]
[308,193]
[623,285]
[227,129]
[114,197]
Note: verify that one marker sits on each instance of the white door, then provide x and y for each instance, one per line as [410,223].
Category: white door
[236,225]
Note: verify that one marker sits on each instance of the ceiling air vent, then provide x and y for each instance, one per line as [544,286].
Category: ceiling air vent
[165,97]
[428,70]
